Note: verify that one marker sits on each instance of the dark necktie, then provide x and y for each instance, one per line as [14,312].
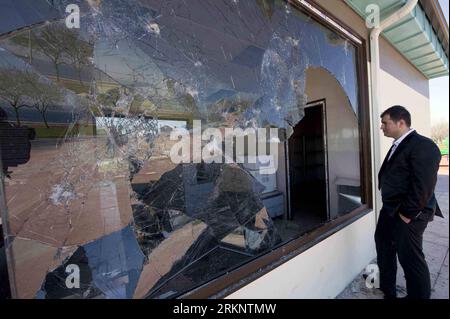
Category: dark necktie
[388,155]
[392,150]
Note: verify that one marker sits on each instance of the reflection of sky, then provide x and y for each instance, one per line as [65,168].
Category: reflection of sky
[126,63]
[116,263]
[16,14]
[7,60]
[218,51]
[229,49]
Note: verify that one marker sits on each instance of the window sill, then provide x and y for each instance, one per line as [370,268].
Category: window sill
[240,277]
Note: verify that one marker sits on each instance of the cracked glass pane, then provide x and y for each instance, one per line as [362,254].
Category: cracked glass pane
[88,119]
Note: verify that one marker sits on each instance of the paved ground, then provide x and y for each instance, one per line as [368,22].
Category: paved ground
[436,247]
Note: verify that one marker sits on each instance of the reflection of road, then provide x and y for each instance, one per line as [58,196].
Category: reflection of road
[78,212]
[54,142]
[31,115]
[57,191]
[70,170]
[45,143]
[89,202]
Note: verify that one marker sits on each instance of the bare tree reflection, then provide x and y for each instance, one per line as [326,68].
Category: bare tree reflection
[16,88]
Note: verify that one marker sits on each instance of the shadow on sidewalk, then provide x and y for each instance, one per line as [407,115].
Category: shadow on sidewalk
[436,249]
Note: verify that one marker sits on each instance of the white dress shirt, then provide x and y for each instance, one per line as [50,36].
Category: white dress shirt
[397,142]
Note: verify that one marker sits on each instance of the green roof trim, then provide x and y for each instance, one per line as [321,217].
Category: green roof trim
[413,36]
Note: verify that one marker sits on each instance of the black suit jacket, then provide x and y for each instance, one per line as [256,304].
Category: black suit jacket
[408,179]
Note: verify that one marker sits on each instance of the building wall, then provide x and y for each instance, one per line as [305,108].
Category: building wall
[325,269]
[320,272]
[401,83]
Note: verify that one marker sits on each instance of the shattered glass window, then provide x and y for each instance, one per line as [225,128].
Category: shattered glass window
[94,205]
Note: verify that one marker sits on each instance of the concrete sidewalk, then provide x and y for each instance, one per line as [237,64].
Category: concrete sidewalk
[435,245]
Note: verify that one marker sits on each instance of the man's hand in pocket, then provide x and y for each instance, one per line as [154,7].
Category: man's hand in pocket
[405,219]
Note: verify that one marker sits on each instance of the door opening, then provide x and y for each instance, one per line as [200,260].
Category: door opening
[308,172]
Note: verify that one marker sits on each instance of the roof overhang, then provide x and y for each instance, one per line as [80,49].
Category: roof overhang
[437,18]
[421,36]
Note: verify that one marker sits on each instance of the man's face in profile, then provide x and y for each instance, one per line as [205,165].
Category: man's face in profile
[391,128]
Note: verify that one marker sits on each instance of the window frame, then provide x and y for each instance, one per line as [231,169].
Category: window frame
[234,280]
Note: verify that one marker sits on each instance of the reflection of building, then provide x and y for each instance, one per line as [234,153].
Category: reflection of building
[198,229]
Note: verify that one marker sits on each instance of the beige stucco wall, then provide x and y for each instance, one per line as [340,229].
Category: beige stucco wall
[401,83]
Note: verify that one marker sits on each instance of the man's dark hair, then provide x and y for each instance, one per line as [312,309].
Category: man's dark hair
[397,113]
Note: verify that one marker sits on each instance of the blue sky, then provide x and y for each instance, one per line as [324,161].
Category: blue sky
[439,94]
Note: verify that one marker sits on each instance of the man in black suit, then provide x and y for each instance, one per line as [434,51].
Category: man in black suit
[407,180]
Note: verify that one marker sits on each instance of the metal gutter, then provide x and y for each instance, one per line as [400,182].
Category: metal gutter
[374,73]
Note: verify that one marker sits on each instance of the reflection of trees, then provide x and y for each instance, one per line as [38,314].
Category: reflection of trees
[79,52]
[16,88]
[45,96]
[24,89]
[51,42]
[60,44]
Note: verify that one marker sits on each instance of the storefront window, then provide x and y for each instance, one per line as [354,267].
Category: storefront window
[96,205]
